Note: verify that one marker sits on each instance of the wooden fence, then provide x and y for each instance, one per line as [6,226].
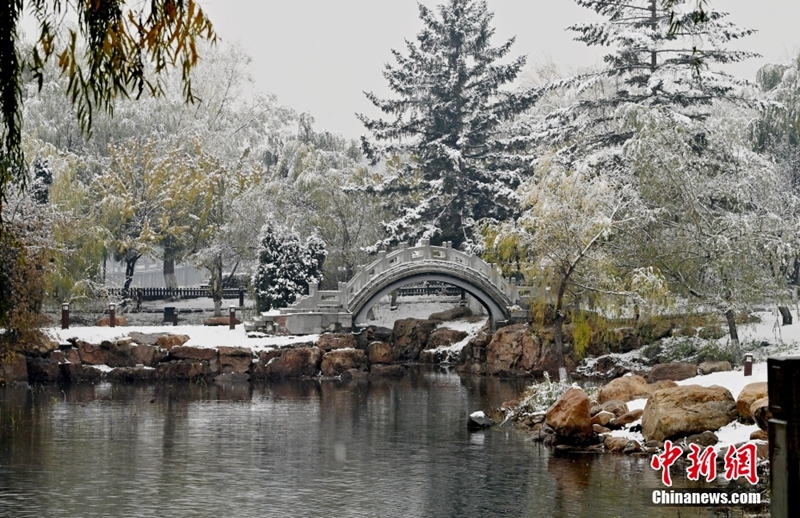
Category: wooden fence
[432,288]
[166,293]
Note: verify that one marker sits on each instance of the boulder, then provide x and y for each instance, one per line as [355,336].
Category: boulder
[72,355]
[119,321]
[42,345]
[144,355]
[334,363]
[512,351]
[91,354]
[147,338]
[624,389]
[479,421]
[259,369]
[169,341]
[409,337]
[42,370]
[761,413]
[132,374]
[451,314]
[472,358]
[445,337]
[615,444]
[182,370]
[235,360]
[379,352]
[187,352]
[632,447]
[616,407]
[749,395]
[78,372]
[295,363]
[569,417]
[680,411]
[120,356]
[58,356]
[602,418]
[549,363]
[662,384]
[626,419]
[221,321]
[330,341]
[379,370]
[600,429]
[710,367]
[15,370]
[704,439]
[675,371]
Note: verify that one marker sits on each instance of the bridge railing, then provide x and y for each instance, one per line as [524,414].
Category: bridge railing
[405,254]
[333,300]
[320,299]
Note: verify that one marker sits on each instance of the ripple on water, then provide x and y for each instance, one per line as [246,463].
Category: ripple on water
[386,449]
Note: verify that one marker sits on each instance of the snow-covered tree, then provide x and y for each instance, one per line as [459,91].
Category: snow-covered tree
[721,225]
[447,165]
[661,57]
[286,266]
[149,197]
[569,223]
[775,132]
[105,51]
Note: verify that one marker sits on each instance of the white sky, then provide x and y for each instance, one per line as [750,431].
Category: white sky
[320,55]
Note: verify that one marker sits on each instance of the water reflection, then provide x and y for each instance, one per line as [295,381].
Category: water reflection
[303,448]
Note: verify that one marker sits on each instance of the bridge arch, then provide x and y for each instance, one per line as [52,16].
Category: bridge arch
[348,305]
[495,301]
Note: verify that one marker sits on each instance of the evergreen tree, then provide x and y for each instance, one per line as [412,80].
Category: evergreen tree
[286,267]
[661,58]
[453,167]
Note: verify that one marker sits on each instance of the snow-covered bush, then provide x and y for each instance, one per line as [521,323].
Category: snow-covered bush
[286,266]
[540,396]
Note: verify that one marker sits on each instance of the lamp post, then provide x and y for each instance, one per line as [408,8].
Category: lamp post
[232,317]
[112,315]
[65,315]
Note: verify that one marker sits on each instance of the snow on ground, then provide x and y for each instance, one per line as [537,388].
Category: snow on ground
[785,341]
[199,336]
[215,336]
[409,307]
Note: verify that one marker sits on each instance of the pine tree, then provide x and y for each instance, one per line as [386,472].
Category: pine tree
[286,267]
[453,167]
[662,57]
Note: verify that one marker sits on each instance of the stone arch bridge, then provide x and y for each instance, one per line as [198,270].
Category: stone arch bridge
[348,305]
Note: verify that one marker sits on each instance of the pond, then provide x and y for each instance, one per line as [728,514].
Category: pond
[387,448]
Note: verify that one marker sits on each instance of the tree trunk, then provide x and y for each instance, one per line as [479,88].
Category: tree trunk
[558,332]
[730,316]
[170,281]
[130,267]
[654,26]
[216,285]
[786,315]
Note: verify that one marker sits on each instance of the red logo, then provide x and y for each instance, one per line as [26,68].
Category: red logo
[739,462]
